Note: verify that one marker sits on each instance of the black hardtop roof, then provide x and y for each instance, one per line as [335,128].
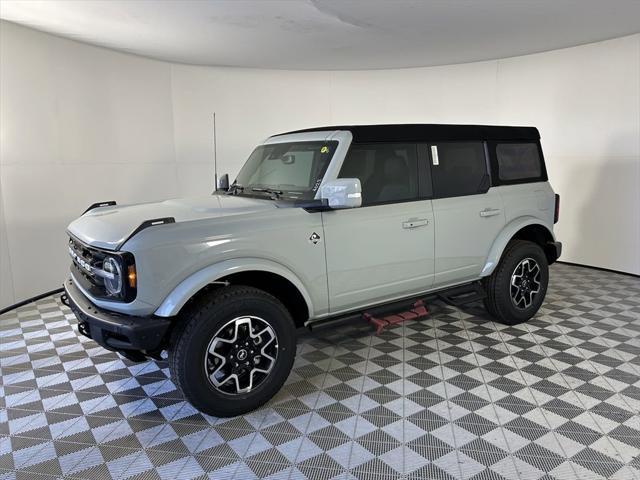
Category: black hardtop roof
[428,132]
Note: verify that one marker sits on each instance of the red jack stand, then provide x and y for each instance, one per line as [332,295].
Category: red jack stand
[419,310]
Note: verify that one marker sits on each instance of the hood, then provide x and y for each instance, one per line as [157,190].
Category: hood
[110,227]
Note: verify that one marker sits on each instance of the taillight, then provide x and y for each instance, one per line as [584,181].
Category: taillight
[556,213]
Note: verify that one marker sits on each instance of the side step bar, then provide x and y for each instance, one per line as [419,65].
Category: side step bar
[406,309]
[381,311]
[464,294]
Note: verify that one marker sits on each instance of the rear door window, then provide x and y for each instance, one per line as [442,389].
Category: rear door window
[458,168]
[518,162]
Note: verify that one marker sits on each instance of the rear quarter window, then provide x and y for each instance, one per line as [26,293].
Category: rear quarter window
[519,162]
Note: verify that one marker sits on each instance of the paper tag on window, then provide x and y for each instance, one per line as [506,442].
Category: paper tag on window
[434,154]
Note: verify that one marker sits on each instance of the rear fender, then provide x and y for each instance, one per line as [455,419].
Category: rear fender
[505,236]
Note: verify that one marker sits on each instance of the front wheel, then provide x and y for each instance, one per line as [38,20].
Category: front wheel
[233,351]
[517,287]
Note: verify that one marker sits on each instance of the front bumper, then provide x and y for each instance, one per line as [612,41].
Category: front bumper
[134,337]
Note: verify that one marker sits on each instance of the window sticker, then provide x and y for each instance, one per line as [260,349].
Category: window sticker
[324,149]
[434,154]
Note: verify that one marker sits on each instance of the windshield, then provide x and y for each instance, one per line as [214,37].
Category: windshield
[290,170]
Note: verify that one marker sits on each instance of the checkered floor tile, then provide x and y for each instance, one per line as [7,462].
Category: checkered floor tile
[451,396]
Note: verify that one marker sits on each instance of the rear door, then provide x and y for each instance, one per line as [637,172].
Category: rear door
[384,249]
[468,214]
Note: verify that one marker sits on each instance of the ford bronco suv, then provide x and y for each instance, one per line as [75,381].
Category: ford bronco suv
[319,226]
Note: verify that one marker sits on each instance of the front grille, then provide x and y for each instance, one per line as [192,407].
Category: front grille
[88,257]
[92,257]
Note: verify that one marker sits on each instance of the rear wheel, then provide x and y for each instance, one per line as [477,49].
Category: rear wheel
[233,351]
[518,285]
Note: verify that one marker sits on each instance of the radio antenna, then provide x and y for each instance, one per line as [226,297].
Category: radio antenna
[215,155]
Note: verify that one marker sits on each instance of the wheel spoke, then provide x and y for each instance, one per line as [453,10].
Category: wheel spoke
[529,301]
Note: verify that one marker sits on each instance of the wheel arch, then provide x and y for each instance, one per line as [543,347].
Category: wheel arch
[525,228]
[255,272]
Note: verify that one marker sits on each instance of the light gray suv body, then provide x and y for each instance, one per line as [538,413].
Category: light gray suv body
[320,225]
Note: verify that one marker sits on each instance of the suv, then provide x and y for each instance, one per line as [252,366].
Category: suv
[320,225]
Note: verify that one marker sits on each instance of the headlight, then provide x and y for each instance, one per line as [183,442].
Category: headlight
[113,284]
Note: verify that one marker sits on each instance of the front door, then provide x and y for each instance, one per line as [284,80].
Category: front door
[383,250]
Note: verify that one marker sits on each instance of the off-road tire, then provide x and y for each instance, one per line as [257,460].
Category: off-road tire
[498,301]
[200,322]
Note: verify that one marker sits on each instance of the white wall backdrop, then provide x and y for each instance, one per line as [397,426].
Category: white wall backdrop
[80,124]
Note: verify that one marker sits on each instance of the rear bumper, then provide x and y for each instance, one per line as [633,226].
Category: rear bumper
[553,251]
[129,335]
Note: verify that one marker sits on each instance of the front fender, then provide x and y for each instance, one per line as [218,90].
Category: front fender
[186,289]
[505,236]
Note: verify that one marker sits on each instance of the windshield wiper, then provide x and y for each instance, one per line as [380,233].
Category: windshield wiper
[275,193]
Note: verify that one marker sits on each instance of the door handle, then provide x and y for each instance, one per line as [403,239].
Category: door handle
[415,223]
[490,212]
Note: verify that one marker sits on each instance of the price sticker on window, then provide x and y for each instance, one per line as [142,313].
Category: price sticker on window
[434,154]
[324,149]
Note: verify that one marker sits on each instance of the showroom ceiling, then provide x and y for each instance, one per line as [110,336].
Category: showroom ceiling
[330,34]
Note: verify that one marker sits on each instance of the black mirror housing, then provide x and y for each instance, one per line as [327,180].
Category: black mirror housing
[223,182]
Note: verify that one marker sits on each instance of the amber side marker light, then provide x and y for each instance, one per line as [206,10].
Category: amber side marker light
[131,276]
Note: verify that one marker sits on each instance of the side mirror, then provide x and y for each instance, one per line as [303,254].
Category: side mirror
[342,193]
[223,182]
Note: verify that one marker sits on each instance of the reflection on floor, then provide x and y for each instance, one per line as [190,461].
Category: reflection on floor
[450,396]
